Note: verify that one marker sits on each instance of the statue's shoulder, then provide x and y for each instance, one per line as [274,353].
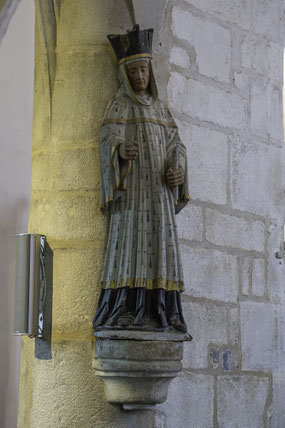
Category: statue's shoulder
[116,108]
[161,104]
[164,110]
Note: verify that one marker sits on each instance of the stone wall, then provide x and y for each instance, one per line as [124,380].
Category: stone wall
[224,61]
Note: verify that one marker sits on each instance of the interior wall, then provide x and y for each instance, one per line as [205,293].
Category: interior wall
[220,69]
[224,86]
[16,102]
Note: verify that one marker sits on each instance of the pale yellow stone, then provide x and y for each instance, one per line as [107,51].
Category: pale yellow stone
[88,22]
[79,79]
[68,109]
[64,392]
[76,288]
[68,218]
[26,383]
[40,164]
[77,170]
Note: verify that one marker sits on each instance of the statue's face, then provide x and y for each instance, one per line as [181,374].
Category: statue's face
[138,74]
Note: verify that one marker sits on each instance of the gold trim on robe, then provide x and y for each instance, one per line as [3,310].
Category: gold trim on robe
[149,284]
[134,120]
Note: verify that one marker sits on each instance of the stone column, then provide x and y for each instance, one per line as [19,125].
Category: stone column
[75,76]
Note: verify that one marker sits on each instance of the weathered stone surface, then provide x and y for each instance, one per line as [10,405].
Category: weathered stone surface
[190,402]
[40,164]
[258,332]
[236,232]
[262,57]
[241,401]
[234,11]
[77,169]
[279,312]
[258,277]
[179,56]
[266,109]
[190,223]
[81,121]
[276,267]
[70,300]
[210,273]
[241,80]
[278,410]
[282,20]
[198,317]
[245,275]
[212,43]
[207,152]
[266,18]
[79,390]
[86,15]
[257,177]
[74,218]
[259,107]
[159,420]
[206,102]
[234,323]
[275,111]
[137,372]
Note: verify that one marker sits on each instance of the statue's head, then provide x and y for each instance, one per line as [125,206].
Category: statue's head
[138,73]
[134,53]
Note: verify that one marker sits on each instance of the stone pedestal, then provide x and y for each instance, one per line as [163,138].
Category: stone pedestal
[138,366]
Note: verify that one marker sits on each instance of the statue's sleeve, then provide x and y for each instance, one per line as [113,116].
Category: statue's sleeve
[177,157]
[112,171]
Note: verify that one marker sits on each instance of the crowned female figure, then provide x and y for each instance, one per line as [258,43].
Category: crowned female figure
[143,186]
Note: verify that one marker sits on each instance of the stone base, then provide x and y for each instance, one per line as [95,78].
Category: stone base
[138,406]
[137,367]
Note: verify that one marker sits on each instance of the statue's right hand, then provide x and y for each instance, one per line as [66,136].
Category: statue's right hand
[129,150]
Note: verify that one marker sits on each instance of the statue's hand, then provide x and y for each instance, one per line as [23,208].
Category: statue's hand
[175,177]
[129,150]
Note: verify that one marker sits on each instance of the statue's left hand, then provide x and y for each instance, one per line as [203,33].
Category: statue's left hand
[175,177]
[129,150]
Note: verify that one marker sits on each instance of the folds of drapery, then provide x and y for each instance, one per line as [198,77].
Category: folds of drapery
[139,308]
[142,276]
[119,125]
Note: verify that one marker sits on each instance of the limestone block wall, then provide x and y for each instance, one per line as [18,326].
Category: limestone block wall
[224,62]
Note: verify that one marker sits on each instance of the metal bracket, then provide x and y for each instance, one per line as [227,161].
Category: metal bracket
[42,287]
[30,285]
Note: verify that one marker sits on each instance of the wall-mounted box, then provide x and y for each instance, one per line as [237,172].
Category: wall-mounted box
[30,285]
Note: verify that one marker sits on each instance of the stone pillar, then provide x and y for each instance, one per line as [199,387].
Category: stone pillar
[75,76]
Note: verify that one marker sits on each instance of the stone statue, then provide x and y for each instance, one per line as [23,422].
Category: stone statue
[143,185]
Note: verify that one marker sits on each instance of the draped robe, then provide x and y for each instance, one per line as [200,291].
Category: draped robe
[142,276]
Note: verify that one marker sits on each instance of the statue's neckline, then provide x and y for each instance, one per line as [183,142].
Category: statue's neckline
[144,99]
